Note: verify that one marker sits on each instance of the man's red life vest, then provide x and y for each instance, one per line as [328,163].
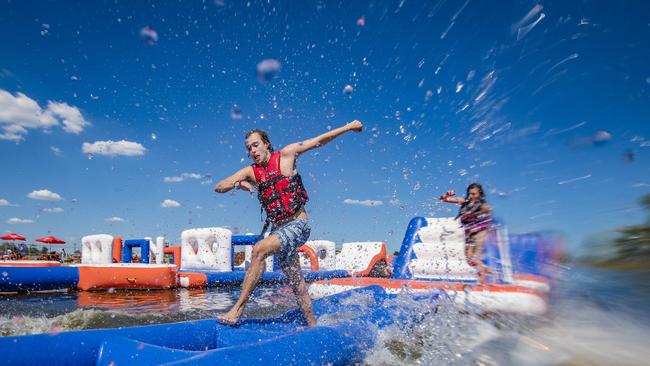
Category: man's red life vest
[280,196]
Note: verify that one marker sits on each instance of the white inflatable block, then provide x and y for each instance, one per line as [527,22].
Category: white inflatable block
[156,250]
[97,249]
[436,250]
[268,267]
[160,250]
[269,263]
[247,256]
[305,263]
[214,249]
[441,230]
[444,223]
[325,251]
[441,268]
[356,257]
[441,254]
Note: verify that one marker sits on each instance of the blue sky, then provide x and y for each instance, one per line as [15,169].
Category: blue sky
[103,124]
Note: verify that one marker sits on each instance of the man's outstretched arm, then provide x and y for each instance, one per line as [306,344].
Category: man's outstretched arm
[318,141]
[241,180]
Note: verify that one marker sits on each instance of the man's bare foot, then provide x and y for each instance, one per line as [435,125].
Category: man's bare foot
[230,318]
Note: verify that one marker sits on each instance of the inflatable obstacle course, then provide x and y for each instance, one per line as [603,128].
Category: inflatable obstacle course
[432,257]
[205,257]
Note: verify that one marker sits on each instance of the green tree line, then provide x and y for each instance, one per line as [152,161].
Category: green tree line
[633,242]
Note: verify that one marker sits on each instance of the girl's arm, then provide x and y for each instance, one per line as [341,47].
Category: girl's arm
[450,197]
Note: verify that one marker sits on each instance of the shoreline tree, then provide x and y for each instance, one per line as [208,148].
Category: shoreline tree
[633,244]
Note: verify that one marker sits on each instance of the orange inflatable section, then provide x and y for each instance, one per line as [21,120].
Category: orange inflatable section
[176,252]
[121,300]
[313,259]
[381,256]
[127,277]
[192,279]
[425,285]
[529,277]
[117,249]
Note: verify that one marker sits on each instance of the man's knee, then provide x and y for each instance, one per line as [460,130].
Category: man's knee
[259,252]
[263,249]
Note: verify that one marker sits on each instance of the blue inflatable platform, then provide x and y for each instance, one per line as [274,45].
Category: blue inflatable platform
[235,278]
[15,279]
[345,333]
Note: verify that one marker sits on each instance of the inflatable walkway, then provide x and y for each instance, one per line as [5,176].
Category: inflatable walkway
[344,334]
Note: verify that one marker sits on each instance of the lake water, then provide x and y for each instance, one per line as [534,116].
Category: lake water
[596,317]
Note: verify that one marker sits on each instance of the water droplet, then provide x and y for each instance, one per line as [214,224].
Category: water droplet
[235,113]
[149,36]
[268,70]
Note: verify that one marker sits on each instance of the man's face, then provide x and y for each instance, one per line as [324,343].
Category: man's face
[257,149]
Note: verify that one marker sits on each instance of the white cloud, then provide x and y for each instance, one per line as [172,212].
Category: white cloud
[182,177]
[363,203]
[4,202]
[18,113]
[53,210]
[113,148]
[114,219]
[56,150]
[73,121]
[17,221]
[45,195]
[169,204]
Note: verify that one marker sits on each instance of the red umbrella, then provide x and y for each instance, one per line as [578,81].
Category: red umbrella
[13,236]
[50,240]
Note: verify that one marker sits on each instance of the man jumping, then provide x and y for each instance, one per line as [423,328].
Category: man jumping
[283,197]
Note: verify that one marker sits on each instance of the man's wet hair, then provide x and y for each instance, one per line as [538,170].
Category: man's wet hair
[263,135]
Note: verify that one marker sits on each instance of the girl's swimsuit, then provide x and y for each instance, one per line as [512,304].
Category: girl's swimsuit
[473,219]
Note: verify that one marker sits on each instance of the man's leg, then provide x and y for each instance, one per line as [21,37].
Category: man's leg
[297,283]
[261,250]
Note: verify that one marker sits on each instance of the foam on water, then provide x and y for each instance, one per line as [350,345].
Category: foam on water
[78,319]
[56,312]
[587,325]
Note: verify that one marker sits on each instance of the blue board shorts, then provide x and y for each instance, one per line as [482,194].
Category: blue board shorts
[292,235]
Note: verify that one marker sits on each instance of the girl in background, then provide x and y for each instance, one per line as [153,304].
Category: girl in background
[475,217]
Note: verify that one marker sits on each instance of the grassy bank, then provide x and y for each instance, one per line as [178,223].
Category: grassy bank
[623,265]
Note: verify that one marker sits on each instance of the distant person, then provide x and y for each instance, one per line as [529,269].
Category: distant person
[63,255]
[22,249]
[283,197]
[476,217]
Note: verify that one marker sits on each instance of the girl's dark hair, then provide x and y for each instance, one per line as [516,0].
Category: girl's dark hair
[480,191]
[263,135]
